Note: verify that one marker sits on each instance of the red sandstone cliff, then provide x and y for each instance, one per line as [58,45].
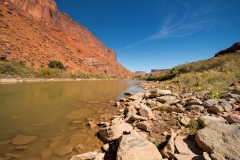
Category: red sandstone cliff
[35,31]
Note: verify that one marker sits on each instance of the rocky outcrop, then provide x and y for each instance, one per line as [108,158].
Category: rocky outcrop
[233,49]
[36,32]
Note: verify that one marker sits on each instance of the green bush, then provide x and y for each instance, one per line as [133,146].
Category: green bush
[56,64]
[194,126]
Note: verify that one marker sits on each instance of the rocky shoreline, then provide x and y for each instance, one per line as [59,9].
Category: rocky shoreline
[158,124]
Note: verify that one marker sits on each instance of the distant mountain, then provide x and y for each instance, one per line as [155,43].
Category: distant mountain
[233,49]
[34,31]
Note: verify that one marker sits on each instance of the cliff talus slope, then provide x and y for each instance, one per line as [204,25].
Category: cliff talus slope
[34,31]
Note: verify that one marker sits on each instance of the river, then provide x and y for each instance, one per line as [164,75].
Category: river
[56,114]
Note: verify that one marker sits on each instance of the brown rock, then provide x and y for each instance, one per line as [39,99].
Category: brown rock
[63,150]
[21,140]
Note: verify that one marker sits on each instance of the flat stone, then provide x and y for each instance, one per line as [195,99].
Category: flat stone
[21,147]
[13,155]
[84,156]
[210,102]
[186,145]
[205,120]
[46,152]
[166,99]
[163,92]
[58,138]
[226,106]
[63,150]
[54,144]
[135,147]
[21,140]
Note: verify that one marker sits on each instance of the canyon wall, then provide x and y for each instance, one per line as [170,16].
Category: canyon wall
[34,31]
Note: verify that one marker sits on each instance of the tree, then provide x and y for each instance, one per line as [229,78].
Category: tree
[56,64]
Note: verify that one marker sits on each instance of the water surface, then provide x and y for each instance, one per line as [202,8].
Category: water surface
[57,113]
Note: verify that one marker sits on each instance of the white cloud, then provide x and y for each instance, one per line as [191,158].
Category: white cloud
[179,24]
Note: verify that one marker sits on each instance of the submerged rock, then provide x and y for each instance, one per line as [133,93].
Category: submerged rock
[21,140]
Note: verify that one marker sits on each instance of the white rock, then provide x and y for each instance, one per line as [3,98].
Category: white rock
[84,156]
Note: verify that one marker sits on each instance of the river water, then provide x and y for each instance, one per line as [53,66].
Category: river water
[56,114]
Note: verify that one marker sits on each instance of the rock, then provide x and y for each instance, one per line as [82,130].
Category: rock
[163,92]
[117,104]
[135,147]
[193,101]
[216,109]
[210,102]
[105,147]
[54,144]
[99,156]
[117,120]
[137,117]
[167,99]
[146,111]
[168,150]
[46,152]
[145,125]
[205,120]
[185,121]
[21,140]
[63,150]
[21,147]
[13,155]
[226,106]
[106,115]
[186,145]
[188,157]
[109,134]
[78,148]
[198,108]
[92,124]
[233,118]
[206,156]
[58,138]
[220,140]
[76,122]
[128,93]
[3,143]
[84,156]
[8,80]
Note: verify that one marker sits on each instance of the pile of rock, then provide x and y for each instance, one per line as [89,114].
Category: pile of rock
[154,124]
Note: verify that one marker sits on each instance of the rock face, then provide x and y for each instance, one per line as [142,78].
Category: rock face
[135,147]
[233,49]
[220,140]
[36,32]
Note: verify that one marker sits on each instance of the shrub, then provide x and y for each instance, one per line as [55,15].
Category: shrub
[194,126]
[56,64]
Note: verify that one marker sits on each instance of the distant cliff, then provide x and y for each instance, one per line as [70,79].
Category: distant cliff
[35,32]
[233,49]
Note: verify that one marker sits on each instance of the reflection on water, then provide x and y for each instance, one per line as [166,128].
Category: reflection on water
[57,113]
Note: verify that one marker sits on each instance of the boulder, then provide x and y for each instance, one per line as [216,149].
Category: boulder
[193,101]
[220,140]
[233,118]
[205,120]
[135,147]
[210,102]
[109,134]
[84,156]
[146,111]
[21,140]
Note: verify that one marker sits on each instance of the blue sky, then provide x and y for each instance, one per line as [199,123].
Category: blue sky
[159,34]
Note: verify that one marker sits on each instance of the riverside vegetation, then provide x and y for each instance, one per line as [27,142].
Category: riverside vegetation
[216,73]
[55,69]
